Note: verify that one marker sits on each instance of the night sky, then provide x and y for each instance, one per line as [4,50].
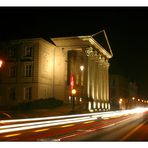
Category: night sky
[126,28]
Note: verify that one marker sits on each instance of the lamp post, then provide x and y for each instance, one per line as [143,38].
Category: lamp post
[81,79]
[73,99]
[133,104]
[120,103]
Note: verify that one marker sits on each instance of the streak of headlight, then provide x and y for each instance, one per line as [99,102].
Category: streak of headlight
[51,118]
[41,130]
[42,122]
[124,112]
[44,125]
[95,115]
[12,135]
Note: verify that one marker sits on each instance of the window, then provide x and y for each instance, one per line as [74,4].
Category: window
[12,71]
[28,51]
[28,70]
[28,93]
[12,94]
[12,52]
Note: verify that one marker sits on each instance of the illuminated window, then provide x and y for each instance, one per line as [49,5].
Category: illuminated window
[12,71]
[27,93]
[28,70]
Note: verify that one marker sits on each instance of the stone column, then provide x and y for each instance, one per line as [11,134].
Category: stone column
[96,80]
[88,79]
[103,81]
[107,77]
[93,78]
[106,83]
[100,80]
[107,87]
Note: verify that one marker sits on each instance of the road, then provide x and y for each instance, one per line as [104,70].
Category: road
[120,126]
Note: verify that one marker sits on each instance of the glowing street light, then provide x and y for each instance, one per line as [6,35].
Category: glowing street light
[81,67]
[73,91]
[133,98]
[120,101]
[1,63]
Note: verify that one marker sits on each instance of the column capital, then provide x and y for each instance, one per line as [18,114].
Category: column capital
[101,59]
[106,64]
[91,52]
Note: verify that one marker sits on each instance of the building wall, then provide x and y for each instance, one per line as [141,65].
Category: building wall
[45,69]
[52,71]
[13,84]
[50,74]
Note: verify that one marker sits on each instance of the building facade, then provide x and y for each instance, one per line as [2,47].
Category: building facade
[37,68]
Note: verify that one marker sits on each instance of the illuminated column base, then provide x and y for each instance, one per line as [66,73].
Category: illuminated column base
[98,106]
[95,106]
[90,106]
[108,106]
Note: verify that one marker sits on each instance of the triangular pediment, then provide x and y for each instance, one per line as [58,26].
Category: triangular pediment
[97,42]
[101,39]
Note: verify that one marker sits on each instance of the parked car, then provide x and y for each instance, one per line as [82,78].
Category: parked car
[4,115]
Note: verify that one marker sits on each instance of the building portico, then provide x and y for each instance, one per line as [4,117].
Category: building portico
[93,52]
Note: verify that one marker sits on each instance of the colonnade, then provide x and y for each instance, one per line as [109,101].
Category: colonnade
[98,83]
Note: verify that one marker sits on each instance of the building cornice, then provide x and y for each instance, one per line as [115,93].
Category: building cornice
[82,41]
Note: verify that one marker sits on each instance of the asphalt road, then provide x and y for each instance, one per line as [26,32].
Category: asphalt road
[133,127]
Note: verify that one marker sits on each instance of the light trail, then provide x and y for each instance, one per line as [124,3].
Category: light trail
[61,120]
[51,118]
[42,122]
[68,125]
[42,125]
[12,135]
[41,130]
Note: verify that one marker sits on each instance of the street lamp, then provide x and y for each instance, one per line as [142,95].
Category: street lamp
[1,63]
[73,99]
[81,67]
[120,103]
[133,103]
[81,79]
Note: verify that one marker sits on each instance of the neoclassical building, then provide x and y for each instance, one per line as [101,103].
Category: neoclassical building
[37,68]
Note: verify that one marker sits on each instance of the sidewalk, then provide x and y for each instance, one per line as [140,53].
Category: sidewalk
[63,110]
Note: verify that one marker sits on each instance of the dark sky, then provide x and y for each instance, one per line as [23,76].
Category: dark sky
[126,28]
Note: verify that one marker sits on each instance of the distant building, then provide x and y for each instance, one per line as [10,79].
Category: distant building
[37,68]
[122,89]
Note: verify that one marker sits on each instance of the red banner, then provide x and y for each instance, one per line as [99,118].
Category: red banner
[71,82]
